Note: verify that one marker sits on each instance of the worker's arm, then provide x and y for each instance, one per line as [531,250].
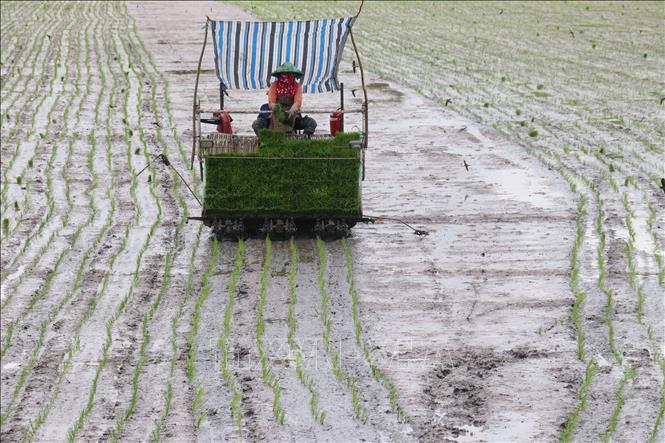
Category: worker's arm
[272,95]
[297,98]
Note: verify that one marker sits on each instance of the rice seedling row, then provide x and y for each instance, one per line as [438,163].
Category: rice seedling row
[120,423]
[43,290]
[156,434]
[628,374]
[65,366]
[192,336]
[168,261]
[27,169]
[157,431]
[51,203]
[16,16]
[428,51]
[175,185]
[628,221]
[306,379]
[606,174]
[638,287]
[197,184]
[535,105]
[12,11]
[44,324]
[198,389]
[628,371]
[11,137]
[41,52]
[78,425]
[22,58]
[223,341]
[580,295]
[28,57]
[362,343]
[452,45]
[658,357]
[602,274]
[269,378]
[569,430]
[335,359]
[61,373]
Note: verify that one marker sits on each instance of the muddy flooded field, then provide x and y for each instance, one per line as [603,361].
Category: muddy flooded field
[525,138]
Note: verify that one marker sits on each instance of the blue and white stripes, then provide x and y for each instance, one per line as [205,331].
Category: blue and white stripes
[246,53]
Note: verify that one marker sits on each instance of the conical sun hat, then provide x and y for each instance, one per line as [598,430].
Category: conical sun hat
[287,68]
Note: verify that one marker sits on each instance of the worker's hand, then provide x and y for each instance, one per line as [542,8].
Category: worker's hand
[293,113]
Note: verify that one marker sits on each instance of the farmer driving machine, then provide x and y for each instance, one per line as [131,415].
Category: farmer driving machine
[281,181]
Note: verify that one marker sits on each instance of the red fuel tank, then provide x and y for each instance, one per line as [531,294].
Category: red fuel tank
[225,120]
[336,122]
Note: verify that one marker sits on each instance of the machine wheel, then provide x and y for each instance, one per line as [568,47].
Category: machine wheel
[331,229]
[229,229]
[279,228]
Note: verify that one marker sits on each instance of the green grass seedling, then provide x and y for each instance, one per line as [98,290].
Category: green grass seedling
[223,339]
[192,337]
[307,381]
[567,433]
[362,344]
[342,377]
[628,374]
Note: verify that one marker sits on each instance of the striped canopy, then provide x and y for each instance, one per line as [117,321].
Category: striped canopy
[246,53]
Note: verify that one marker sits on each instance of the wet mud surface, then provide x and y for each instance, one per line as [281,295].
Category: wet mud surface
[117,315]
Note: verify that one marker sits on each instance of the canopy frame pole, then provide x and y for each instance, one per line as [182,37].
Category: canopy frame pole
[195,106]
[365,101]
[341,102]
[222,91]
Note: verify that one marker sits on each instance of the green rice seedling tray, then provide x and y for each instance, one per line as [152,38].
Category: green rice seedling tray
[286,178]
